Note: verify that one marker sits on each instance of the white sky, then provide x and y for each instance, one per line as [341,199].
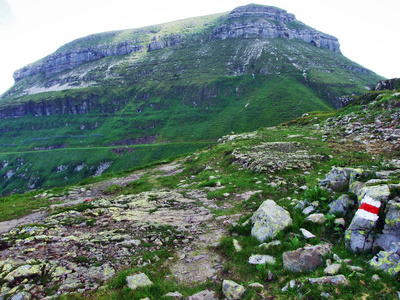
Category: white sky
[368,30]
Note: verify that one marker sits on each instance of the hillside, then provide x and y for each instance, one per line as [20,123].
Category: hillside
[97,103]
[194,227]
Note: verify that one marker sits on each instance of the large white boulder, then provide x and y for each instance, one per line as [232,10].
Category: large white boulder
[268,220]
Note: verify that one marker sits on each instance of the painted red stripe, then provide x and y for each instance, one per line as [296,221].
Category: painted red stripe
[370,208]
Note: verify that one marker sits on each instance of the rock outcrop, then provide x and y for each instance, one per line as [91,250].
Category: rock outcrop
[271,22]
[64,60]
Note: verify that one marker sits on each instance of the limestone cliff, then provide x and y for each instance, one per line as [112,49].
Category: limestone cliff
[271,22]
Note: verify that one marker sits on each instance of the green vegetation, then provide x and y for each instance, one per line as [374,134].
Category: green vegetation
[216,172]
[181,98]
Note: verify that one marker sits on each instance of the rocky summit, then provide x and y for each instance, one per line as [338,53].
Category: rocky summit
[307,209]
[178,86]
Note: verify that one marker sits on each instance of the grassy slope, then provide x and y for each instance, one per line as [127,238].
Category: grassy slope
[235,179]
[193,92]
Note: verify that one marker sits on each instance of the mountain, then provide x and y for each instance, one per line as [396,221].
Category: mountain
[120,99]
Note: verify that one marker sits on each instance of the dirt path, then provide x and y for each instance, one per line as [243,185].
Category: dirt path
[92,190]
[29,219]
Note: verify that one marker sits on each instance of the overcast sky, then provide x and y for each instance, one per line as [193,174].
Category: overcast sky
[368,30]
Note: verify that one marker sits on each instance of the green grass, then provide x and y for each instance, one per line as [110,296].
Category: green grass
[15,206]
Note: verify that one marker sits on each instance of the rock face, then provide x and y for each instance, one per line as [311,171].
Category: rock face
[271,22]
[62,60]
[305,259]
[61,106]
[268,220]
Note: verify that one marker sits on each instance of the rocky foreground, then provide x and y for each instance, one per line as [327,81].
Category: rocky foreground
[306,210]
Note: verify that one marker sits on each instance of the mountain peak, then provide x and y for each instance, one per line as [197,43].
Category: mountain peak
[268,12]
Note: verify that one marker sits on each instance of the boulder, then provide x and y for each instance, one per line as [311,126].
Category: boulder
[24,271]
[359,240]
[232,290]
[268,220]
[360,234]
[340,205]
[257,259]
[305,259]
[387,261]
[138,280]
[376,192]
[339,179]
[392,221]
[391,230]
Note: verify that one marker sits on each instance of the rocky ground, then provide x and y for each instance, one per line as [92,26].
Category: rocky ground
[307,210]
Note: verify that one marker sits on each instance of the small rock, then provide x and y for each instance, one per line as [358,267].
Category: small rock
[375,277]
[340,205]
[261,259]
[339,279]
[299,205]
[237,246]
[285,288]
[270,244]
[356,269]
[340,221]
[203,295]
[326,295]
[316,218]
[308,210]
[270,275]
[138,280]
[175,295]
[232,290]
[306,233]
[256,285]
[292,284]
[332,269]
